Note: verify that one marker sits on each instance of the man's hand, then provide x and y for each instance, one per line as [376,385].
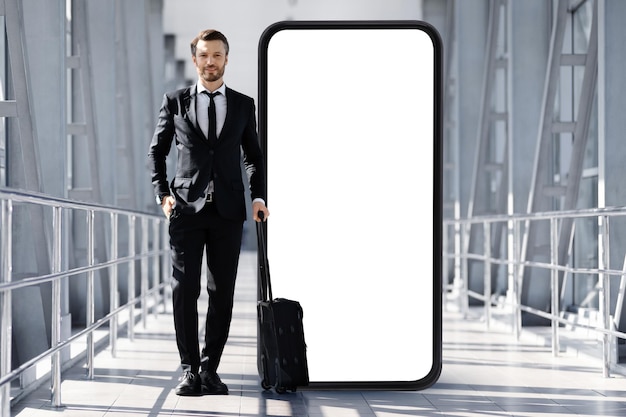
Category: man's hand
[259,206]
[167,205]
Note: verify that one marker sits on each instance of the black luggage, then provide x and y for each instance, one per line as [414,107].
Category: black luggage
[282,362]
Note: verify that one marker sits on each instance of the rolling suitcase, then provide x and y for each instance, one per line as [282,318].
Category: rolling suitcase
[282,361]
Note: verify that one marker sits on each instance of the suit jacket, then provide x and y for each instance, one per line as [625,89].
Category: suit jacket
[199,160]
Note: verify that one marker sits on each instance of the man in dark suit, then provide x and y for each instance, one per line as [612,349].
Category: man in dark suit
[205,203]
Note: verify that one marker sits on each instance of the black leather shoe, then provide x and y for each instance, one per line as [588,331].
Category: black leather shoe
[212,384]
[189,384]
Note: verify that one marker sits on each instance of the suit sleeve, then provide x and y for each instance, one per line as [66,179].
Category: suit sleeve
[160,147]
[253,156]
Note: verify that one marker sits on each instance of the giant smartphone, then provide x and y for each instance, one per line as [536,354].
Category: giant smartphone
[350,122]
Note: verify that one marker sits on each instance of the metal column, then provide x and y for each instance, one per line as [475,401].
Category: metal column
[125,153]
[549,191]
[21,109]
[451,168]
[81,61]
[490,183]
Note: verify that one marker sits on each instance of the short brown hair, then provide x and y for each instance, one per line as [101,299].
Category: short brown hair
[209,35]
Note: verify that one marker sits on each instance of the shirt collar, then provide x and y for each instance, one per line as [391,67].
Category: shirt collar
[200,88]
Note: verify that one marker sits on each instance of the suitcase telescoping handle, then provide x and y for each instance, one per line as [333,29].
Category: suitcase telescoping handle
[264,267]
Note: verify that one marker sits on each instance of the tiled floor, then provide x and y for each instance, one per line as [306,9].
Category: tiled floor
[484,374]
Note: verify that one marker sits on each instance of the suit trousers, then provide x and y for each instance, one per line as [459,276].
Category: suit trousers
[190,236]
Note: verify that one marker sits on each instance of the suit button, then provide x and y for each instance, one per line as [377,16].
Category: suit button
[211,152]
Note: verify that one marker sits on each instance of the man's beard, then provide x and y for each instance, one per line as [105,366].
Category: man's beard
[213,76]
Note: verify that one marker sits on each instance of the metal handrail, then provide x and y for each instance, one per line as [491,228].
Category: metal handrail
[459,228]
[9,197]
[41,279]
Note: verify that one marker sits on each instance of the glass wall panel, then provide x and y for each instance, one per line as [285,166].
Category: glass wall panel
[585,251]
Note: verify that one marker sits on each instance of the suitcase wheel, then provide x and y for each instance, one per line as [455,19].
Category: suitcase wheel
[265,385]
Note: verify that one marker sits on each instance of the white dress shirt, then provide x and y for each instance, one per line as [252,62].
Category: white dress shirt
[202,108]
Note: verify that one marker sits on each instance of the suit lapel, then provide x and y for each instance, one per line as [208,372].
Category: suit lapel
[190,110]
[231,103]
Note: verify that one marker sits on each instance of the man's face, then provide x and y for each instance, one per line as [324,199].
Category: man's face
[210,60]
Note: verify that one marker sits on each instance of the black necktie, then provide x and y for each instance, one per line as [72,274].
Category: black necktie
[212,133]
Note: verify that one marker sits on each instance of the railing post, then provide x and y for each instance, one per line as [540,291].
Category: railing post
[155,265]
[554,283]
[604,285]
[90,293]
[458,271]
[5,312]
[517,281]
[487,272]
[465,273]
[131,278]
[55,372]
[510,264]
[144,272]
[113,297]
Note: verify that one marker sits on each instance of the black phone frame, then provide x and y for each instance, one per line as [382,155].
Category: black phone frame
[433,375]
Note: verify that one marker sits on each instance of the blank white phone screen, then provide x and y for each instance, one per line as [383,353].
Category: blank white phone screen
[350,182]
